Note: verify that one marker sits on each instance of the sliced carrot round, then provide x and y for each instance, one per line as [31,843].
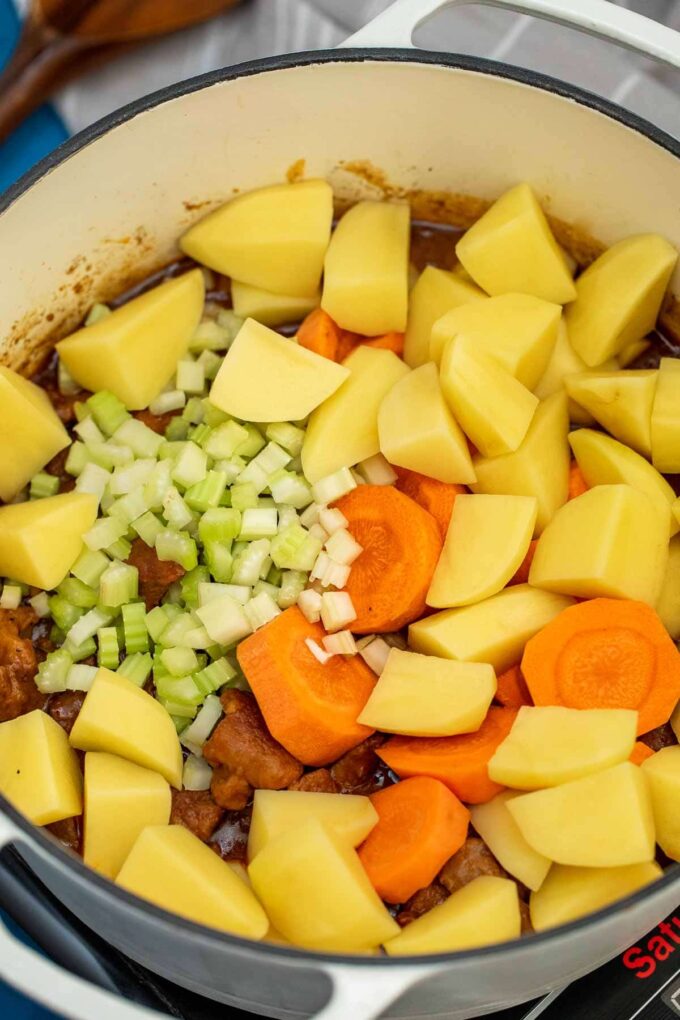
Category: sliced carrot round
[606,653]
[511,689]
[522,574]
[421,825]
[461,762]
[641,752]
[319,333]
[401,545]
[387,342]
[434,496]
[310,708]
[577,482]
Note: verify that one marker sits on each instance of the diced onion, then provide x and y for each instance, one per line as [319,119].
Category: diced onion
[377,471]
[342,643]
[332,487]
[11,597]
[318,652]
[375,654]
[337,610]
[309,603]
[342,547]
[197,774]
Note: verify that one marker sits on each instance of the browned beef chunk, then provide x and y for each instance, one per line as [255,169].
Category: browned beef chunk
[662,736]
[69,832]
[155,576]
[360,770]
[230,790]
[23,619]
[57,467]
[157,422]
[64,403]
[18,665]
[472,860]
[197,811]
[421,902]
[242,746]
[318,781]
[64,708]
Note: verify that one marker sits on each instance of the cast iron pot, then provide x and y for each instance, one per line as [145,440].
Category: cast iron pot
[109,205]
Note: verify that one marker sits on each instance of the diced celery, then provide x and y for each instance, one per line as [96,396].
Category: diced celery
[103,532]
[225,439]
[136,668]
[76,459]
[200,434]
[219,560]
[107,651]
[295,549]
[196,637]
[87,626]
[107,410]
[286,435]
[180,689]
[118,584]
[57,635]
[128,508]
[179,661]
[65,381]
[177,547]
[43,485]
[178,711]
[171,400]
[80,410]
[194,412]
[244,496]
[142,440]
[158,485]
[41,604]
[274,576]
[270,589]
[290,489]
[196,774]
[208,592]
[190,584]
[211,364]
[264,465]
[221,524]
[225,620]
[63,612]
[53,672]
[97,313]
[93,479]
[109,455]
[292,583]
[147,527]
[190,466]
[228,320]
[134,627]
[156,620]
[190,376]
[120,549]
[175,510]
[207,494]
[210,336]
[214,676]
[253,443]
[88,430]
[258,523]
[177,429]
[195,736]
[248,563]
[177,629]
[332,487]
[80,677]
[212,415]
[78,593]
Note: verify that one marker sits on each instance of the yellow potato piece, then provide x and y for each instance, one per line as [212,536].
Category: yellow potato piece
[631,352]
[435,292]
[662,772]
[500,832]
[274,237]
[487,539]
[173,869]
[30,432]
[539,467]
[482,913]
[602,821]
[570,893]
[365,283]
[564,361]
[120,800]
[269,308]
[425,696]
[668,603]
[666,418]
[417,430]
[610,541]
[41,540]
[491,406]
[517,330]
[619,295]
[620,401]
[134,351]
[266,377]
[349,817]
[39,771]
[344,430]
[121,718]
[493,631]
[316,892]
[511,249]
[605,461]
[551,745]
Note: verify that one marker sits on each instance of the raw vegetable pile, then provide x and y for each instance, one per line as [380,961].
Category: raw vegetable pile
[399,592]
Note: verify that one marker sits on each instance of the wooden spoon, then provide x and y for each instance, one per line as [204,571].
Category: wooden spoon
[62,38]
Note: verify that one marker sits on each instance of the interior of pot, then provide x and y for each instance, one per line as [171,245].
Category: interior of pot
[108,208]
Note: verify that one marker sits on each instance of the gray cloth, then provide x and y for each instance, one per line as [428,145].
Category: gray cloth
[264,27]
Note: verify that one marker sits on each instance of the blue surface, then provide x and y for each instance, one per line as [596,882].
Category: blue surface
[30,142]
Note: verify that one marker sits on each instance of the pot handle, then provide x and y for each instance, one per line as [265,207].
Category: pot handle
[364,993]
[601,18]
[43,981]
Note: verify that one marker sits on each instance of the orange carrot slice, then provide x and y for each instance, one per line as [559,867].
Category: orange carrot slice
[310,708]
[511,690]
[388,342]
[319,333]
[421,825]
[522,574]
[577,483]
[461,762]
[401,546]
[346,344]
[640,753]
[606,653]
[434,496]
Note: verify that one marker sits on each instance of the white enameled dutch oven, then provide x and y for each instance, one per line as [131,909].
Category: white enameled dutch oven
[109,205]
